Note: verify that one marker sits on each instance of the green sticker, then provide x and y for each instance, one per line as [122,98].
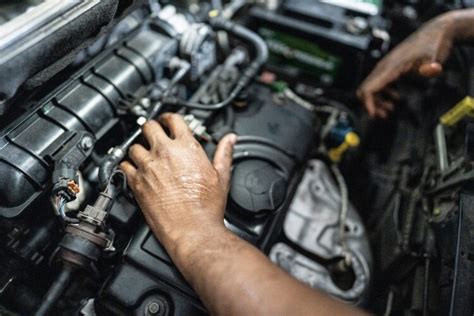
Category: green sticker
[302,54]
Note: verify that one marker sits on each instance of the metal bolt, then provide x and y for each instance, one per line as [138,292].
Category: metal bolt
[357,25]
[145,102]
[87,143]
[153,308]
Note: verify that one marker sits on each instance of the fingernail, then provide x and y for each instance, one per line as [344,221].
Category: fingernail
[430,69]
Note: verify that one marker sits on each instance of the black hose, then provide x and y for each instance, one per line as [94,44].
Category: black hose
[107,167]
[261,49]
[261,56]
[426,283]
[229,117]
[56,290]
[97,159]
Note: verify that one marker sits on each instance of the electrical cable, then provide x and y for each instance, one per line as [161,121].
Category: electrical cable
[61,209]
[261,56]
[344,207]
[300,101]
[56,290]
[388,307]
[426,279]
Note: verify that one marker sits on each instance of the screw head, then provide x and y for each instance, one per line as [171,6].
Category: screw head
[87,143]
[153,308]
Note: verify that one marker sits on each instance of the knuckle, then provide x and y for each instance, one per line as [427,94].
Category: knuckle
[148,125]
[174,116]
[133,149]
[123,167]
[169,116]
[177,118]
[148,128]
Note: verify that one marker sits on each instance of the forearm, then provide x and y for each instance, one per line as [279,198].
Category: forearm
[234,278]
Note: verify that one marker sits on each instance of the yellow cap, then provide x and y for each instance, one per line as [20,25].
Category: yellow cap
[350,140]
[213,13]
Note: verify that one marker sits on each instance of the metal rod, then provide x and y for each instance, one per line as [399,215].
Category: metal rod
[441,150]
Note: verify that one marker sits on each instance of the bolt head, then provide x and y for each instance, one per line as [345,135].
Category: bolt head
[87,143]
[153,308]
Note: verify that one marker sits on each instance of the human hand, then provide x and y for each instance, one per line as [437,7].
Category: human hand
[178,189]
[423,52]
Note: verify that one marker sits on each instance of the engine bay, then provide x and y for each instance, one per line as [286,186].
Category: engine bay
[375,213]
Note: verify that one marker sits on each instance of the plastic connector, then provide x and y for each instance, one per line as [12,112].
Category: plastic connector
[351,140]
[66,183]
[197,128]
[458,112]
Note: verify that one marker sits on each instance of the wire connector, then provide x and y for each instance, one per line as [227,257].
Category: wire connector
[197,128]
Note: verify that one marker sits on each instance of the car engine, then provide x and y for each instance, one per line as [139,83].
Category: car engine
[377,214]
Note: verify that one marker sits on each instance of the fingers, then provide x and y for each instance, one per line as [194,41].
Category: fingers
[223,157]
[378,106]
[372,86]
[385,72]
[175,124]
[367,99]
[385,105]
[129,169]
[430,70]
[382,113]
[138,154]
[392,94]
[154,134]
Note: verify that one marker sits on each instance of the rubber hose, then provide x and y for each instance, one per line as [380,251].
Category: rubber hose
[56,290]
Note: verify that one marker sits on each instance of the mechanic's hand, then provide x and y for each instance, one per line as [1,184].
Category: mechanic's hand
[176,186]
[423,52]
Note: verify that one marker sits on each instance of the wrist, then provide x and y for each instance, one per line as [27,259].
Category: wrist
[184,242]
[446,24]
[459,23]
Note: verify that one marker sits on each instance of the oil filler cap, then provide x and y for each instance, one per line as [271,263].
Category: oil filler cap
[257,187]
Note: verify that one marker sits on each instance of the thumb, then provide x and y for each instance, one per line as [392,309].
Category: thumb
[430,70]
[223,157]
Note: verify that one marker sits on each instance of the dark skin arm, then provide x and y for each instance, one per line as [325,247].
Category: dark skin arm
[183,196]
[424,53]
